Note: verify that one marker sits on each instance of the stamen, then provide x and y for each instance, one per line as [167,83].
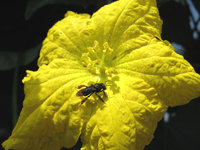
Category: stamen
[99,61]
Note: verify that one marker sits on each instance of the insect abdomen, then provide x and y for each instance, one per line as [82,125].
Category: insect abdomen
[86,92]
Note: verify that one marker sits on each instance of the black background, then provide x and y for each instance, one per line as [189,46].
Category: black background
[182,132]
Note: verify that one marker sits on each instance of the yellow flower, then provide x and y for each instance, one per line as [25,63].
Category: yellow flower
[120,45]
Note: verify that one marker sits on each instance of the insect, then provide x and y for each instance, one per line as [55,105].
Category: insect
[92,89]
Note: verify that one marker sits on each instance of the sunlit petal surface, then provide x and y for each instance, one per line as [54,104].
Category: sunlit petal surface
[120,46]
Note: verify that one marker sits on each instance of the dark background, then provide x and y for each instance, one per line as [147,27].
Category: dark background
[24,25]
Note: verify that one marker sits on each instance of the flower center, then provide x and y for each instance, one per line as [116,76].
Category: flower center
[99,60]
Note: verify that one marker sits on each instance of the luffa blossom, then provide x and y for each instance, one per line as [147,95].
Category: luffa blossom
[119,44]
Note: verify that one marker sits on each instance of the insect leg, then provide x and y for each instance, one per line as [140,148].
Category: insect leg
[80,86]
[86,98]
[104,93]
[99,97]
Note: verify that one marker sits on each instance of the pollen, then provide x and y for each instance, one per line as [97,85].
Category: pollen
[98,60]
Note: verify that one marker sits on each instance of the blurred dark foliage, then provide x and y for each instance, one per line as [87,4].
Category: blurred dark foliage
[20,34]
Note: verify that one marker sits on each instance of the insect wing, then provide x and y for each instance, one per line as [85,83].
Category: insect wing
[80,86]
[80,93]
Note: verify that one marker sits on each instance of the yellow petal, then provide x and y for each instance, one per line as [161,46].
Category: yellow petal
[130,23]
[119,24]
[51,117]
[66,39]
[169,73]
[127,120]
[119,43]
